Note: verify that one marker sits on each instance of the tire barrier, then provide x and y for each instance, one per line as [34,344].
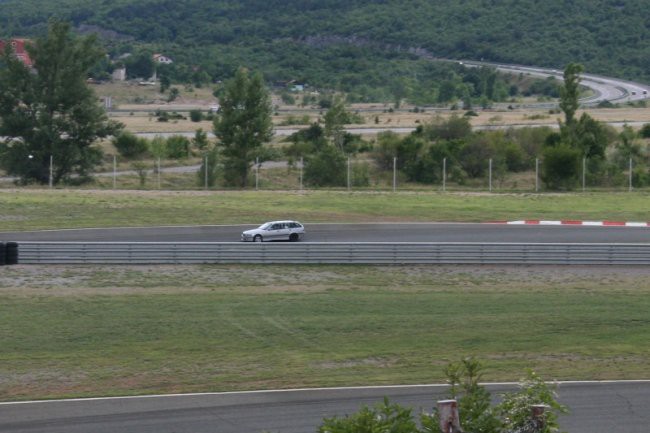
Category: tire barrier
[137,253]
[11,253]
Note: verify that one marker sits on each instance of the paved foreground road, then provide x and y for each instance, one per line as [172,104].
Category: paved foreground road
[596,408]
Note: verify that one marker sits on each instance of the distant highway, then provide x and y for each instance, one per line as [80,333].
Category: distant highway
[609,89]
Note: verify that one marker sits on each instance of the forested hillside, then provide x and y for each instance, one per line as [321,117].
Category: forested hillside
[333,42]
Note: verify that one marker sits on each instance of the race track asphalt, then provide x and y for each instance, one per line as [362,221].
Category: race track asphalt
[380,232]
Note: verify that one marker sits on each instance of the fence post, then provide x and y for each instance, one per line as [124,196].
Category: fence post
[205,173]
[490,174]
[158,172]
[536,174]
[449,420]
[257,173]
[584,173]
[348,173]
[394,174]
[301,163]
[114,171]
[630,187]
[444,174]
[51,180]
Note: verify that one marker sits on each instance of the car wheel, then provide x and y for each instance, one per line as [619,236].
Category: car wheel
[293,237]
[257,238]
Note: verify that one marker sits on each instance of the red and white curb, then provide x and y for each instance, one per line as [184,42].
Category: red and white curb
[579,223]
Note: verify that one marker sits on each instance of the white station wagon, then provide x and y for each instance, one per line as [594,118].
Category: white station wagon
[275,231]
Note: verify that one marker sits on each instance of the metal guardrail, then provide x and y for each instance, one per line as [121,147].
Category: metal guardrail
[336,253]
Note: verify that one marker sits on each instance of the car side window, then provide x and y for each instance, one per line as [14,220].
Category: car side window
[275,227]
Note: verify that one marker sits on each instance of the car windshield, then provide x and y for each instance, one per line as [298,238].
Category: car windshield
[265,226]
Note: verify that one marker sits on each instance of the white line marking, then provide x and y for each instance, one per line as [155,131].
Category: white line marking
[342,388]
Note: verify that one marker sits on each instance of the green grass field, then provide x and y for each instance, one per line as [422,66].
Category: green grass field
[90,331]
[49,209]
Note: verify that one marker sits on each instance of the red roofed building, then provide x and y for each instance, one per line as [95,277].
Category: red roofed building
[18,46]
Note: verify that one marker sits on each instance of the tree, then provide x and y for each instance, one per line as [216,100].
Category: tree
[570,92]
[561,167]
[335,119]
[140,65]
[129,145]
[50,113]
[243,125]
[326,168]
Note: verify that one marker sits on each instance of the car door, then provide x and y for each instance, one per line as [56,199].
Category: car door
[284,231]
[275,232]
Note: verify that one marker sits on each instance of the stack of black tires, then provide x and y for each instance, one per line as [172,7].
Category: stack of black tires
[8,253]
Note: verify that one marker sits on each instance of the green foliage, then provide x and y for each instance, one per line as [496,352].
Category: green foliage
[158,147]
[243,125]
[51,112]
[140,168]
[140,65]
[474,404]
[200,140]
[211,157]
[129,145]
[384,417]
[196,115]
[287,98]
[454,128]
[645,131]
[362,44]
[515,408]
[570,91]
[306,142]
[327,167]
[561,167]
[178,147]
[173,94]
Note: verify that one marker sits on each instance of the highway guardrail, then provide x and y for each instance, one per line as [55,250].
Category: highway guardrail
[134,253]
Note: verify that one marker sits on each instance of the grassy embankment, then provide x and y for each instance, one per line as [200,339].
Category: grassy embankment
[44,209]
[88,331]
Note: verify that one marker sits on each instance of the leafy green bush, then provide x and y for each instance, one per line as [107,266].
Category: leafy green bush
[561,167]
[327,167]
[178,147]
[196,115]
[129,145]
[645,131]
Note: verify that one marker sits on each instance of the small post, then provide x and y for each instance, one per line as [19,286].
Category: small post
[257,173]
[490,175]
[158,172]
[584,173]
[538,417]
[630,187]
[449,420]
[114,171]
[444,174]
[301,163]
[205,173]
[51,182]
[348,173]
[536,174]
[394,174]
